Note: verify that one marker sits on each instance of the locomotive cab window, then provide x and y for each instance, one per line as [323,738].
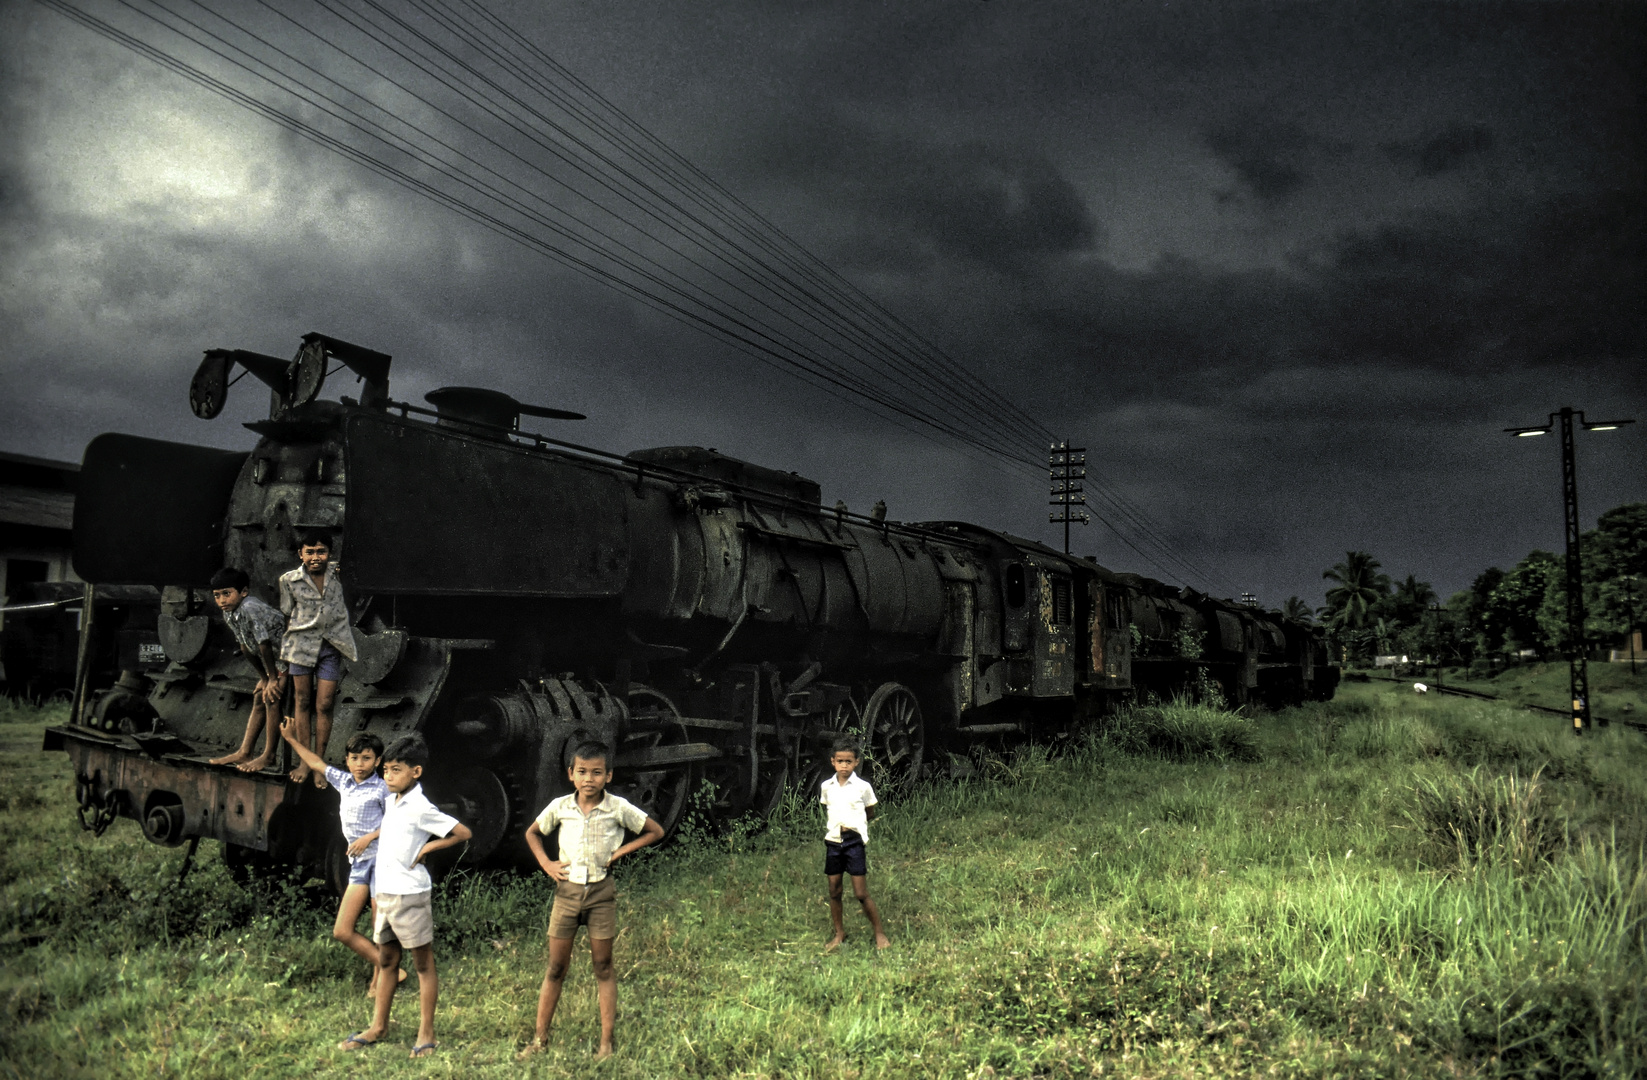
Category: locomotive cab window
[1015,585]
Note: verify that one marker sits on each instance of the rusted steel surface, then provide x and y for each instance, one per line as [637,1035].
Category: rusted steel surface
[217,802]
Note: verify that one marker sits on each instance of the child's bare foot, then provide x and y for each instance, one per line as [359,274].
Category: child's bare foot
[299,774]
[835,942]
[536,1046]
[231,759]
[257,764]
[604,1052]
[882,941]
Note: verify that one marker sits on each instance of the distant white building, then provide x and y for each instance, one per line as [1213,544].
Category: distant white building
[1389,661]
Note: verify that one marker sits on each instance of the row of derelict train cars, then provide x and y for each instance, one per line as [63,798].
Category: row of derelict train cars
[514,595]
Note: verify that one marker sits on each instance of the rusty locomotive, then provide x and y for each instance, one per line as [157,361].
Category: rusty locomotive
[514,594]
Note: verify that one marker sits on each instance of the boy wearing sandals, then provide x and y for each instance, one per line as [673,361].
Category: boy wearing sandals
[413,828]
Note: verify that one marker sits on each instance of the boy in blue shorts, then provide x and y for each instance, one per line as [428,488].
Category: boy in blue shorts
[318,639]
[850,802]
[360,794]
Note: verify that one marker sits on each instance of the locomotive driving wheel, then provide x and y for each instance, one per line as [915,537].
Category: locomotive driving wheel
[894,734]
[662,793]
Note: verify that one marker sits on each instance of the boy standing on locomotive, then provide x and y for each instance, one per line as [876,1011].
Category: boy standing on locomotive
[850,803]
[318,640]
[590,824]
[257,629]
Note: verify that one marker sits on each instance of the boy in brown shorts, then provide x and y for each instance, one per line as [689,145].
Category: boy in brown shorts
[591,826]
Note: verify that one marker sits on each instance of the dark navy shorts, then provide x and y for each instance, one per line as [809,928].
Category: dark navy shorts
[328,665]
[846,857]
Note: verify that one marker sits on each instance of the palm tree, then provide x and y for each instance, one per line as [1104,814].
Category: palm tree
[1296,609]
[1359,587]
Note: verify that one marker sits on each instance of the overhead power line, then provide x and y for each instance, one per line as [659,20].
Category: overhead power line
[455,105]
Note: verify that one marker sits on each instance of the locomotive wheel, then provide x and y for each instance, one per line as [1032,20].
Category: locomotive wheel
[841,720]
[895,734]
[475,796]
[662,793]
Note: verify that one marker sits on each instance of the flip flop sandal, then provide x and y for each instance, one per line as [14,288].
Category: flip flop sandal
[359,1043]
[424,1049]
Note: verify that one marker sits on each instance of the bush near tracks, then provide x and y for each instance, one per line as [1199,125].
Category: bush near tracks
[1383,885]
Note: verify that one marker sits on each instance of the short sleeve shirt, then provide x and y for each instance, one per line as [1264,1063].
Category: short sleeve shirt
[359,806]
[409,822]
[587,841]
[848,806]
[313,616]
[253,622]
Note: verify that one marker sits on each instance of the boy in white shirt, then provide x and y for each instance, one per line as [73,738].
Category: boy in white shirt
[412,829]
[850,802]
[591,826]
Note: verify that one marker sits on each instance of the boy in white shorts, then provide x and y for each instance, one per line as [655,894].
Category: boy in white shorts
[412,829]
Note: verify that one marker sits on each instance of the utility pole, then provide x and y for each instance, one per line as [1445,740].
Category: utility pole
[1067,467]
[1630,620]
[1578,672]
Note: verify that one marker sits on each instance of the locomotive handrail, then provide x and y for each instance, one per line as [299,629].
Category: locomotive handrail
[755,495]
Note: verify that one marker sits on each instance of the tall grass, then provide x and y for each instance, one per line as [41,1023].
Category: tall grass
[1383,885]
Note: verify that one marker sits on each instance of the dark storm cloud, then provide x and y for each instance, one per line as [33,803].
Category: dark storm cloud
[1198,240]
[1273,159]
[1442,152]
[912,201]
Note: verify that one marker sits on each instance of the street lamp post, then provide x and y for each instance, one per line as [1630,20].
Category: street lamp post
[1578,675]
[1630,620]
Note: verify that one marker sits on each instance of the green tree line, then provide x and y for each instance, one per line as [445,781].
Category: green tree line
[1502,613]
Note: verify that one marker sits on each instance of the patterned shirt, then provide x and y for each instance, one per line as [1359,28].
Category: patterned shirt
[587,841]
[359,806]
[254,622]
[410,820]
[848,806]
[313,617]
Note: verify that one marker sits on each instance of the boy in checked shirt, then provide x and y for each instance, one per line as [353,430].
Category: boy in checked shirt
[591,826]
[360,795]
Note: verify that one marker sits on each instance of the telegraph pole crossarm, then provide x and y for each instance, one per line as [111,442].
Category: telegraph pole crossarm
[1067,468]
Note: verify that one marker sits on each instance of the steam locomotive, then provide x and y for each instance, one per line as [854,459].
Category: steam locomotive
[514,595]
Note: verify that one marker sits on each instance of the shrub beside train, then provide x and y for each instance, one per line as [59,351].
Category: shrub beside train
[514,595]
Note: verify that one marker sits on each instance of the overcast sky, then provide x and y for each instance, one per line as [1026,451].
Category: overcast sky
[1286,271]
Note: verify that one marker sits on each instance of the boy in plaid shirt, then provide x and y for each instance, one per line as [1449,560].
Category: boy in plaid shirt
[360,794]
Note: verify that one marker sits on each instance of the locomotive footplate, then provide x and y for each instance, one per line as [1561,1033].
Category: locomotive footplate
[174,796]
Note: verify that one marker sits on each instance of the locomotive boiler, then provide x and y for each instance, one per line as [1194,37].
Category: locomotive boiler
[514,594]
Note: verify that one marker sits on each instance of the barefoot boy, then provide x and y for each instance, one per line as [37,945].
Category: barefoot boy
[257,628]
[361,793]
[412,829]
[318,639]
[850,802]
[591,824]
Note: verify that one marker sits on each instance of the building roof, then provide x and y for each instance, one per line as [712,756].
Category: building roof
[36,506]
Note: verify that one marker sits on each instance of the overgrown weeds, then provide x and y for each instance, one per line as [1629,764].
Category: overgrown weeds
[1183,731]
[1484,821]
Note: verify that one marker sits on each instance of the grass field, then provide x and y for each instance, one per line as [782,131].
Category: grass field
[1385,885]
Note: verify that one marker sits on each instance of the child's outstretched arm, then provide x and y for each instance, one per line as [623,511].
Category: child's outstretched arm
[557,871]
[309,757]
[650,834]
[460,833]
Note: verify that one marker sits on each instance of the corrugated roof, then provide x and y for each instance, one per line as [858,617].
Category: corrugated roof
[35,506]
